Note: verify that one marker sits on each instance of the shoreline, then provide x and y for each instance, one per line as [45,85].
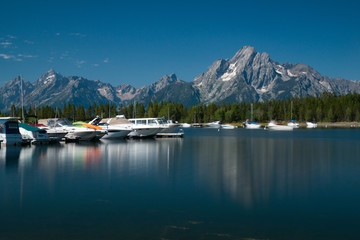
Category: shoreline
[335,125]
[319,124]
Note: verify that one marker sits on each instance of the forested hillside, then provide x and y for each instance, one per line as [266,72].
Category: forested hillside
[327,108]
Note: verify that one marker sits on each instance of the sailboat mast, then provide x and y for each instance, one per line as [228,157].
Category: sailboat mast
[22,98]
[291,110]
[251,118]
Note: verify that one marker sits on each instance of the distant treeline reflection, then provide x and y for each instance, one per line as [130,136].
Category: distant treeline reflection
[327,108]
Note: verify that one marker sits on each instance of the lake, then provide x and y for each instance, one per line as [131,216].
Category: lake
[228,184]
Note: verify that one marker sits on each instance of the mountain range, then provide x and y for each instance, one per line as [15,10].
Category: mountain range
[248,76]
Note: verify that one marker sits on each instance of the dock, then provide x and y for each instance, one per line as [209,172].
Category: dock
[170,135]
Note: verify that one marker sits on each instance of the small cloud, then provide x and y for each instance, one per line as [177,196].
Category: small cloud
[79,63]
[5,56]
[57,34]
[51,59]
[64,55]
[18,58]
[27,56]
[78,34]
[95,65]
[106,60]
[11,36]
[6,44]
[28,42]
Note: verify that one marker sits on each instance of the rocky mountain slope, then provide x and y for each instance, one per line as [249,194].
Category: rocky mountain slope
[248,76]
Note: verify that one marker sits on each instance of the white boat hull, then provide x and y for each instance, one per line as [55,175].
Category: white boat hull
[116,134]
[227,126]
[10,139]
[281,128]
[311,125]
[278,127]
[170,128]
[34,136]
[85,135]
[144,131]
[252,126]
[293,125]
[215,124]
[55,135]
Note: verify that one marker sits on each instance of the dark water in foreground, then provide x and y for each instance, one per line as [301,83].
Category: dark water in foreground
[232,184]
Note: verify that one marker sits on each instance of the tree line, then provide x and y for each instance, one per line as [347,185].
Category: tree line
[328,107]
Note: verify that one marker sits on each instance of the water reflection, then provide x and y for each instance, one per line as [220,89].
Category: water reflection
[254,171]
[251,169]
[133,157]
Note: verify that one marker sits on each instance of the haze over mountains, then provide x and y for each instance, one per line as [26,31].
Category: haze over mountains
[248,76]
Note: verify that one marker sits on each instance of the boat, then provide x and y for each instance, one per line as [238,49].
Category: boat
[228,126]
[215,124]
[279,127]
[33,134]
[113,131]
[99,131]
[145,127]
[9,131]
[196,125]
[55,134]
[293,124]
[140,127]
[185,125]
[73,132]
[311,125]
[251,124]
[169,126]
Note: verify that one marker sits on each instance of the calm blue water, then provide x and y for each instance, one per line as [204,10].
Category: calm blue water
[231,184]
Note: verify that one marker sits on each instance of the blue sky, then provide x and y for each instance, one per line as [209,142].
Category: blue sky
[138,42]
